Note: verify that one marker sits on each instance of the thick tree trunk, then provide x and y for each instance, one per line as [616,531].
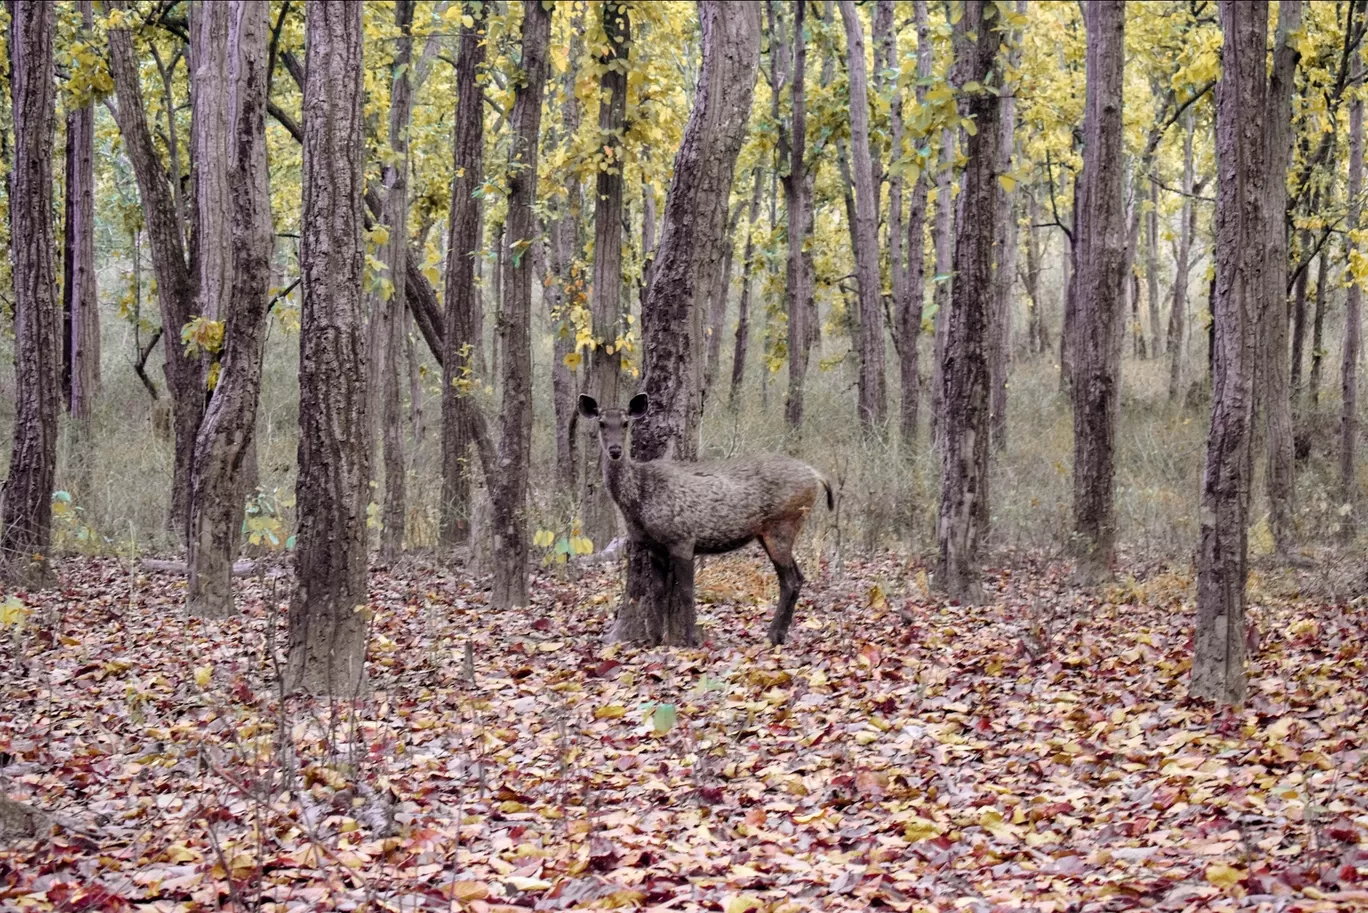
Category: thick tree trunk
[26,501]
[508,487]
[605,302]
[965,370]
[909,306]
[873,408]
[327,631]
[1100,285]
[695,210]
[798,208]
[387,314]
[462,343]
[1242,224]
[80,307]
[175,277]
[1272,323]
[1353,331]
[1178,310]
[743,308]
[225,441]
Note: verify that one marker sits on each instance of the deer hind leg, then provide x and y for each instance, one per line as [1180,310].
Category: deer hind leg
[778,544]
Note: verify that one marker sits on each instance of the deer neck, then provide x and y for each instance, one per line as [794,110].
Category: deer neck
[623,481]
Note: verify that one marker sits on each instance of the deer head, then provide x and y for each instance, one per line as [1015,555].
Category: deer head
[613,423]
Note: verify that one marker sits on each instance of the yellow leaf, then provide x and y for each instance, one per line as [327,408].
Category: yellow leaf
[544,538]
[1224,876]
[527,884]
[877,600]
[468,21]
[179,852]
[12,613]
[918,828]
[203,674]
[743,903]
[551,646]
[1008,182]
[610,712]
[466,891]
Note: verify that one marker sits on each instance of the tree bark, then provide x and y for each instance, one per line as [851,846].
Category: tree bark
[1100,287]
[1178,311]
[1039,342]
[965,371]
[225,440]
[945,230]
[1273,317]
[743,308]
[717,303]
[80,306]
[26,501]
[327,643]
[873,408]
[175,276]
[1318,331]
[566,247]
[1353,330]
[462,341]
[798,209]
[1004,275]
[605,303]
[1152,269]
[508,487]
[1242,224]
[909,306]
[695,210]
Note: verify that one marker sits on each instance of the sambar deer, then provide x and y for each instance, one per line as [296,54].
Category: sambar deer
[707,508]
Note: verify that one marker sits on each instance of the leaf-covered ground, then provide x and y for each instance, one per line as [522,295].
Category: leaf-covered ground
[1036,753]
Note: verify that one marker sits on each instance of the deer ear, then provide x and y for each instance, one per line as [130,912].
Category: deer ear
[637,407]
[588,407]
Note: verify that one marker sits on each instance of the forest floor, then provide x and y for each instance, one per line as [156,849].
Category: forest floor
[1039,752]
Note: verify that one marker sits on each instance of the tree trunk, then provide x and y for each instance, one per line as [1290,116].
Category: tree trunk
[327,630]
[80,306]
[1152,268]
[695,210]
[26,501]
[873,407]
[943,280]
[1353,329]
[1272,322]
[1039,342]
[717,305]
[965,371]
[1218,663]
[605,303]
[1178,311]
[462,344]
[1100,285]
[743,309]
[508,488]
[387,312]
[1299,290]
[566,247]
[175,277]
[226,435]
[909,306]
[1318,331]
[798,208]
[1004,274]
[887,85]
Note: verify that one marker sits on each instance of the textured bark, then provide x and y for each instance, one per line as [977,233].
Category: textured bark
[1152,270]
[887,85]
[327,643]
[717,304]
[605,302]
[26,501]
[462,297]
[566,247]
[798,209]
[695,210]
[873,407]
[909,305]
[1218,663]
[1353,331]
[738,372]
[1299,290]
[943,279]
[387,314]
[80,307]
[1178,310]
[508,487]
[1037,336]
[1318,331]
[224,445]
[1004,272]
[175,277]
[1100,282]
[209,147]
[964,372]
[1276,394]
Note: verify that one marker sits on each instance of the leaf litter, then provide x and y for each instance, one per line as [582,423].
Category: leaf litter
[1036,753]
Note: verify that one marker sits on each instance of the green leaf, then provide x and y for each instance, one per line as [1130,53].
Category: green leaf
[663,718]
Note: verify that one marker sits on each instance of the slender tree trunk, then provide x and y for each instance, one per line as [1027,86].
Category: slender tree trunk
[1152,269]
[1100,284]
[873,407]
[695,209]
[463,343]
[26,501]
[224,445]
[1039,343]
[798,207]
[886,65]
[909,306]
[1218,663]
[717,303]
[327,632]
[387,315]
[605,303]
[1318,331]
[1272,323]
[743,309]
[965,370]
[945,249]
[175,277]
[1353,330]
[566,248]
[1178,311]
[80,306]
[508,488]
[1004,274]
[1299,290]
